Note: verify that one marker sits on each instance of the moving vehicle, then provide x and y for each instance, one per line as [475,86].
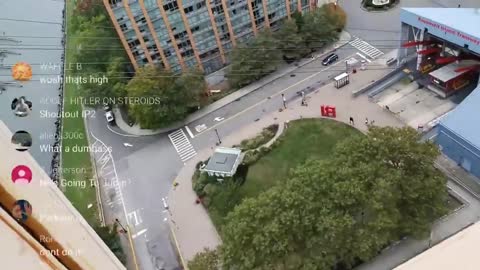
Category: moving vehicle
[330,59]
[110,117]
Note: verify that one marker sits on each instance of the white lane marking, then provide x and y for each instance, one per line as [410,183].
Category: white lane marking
[133,215]
[363,56]
[139,233]
[182,145]
[218,119]
[200,128]
[189,132]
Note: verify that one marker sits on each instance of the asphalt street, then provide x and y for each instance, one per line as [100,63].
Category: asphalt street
[146,170]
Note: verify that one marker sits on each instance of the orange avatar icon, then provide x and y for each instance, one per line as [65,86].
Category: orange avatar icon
[22,71]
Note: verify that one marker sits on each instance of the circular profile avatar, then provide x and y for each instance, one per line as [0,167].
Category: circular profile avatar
[21,106]
[21,174]
[22,71]
[21,210]
[22,140]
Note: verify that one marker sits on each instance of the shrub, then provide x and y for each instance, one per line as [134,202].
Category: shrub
[210,189]
[265,136]
[200,183]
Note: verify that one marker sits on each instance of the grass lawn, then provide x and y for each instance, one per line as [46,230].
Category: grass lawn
[78,196]
[303,139]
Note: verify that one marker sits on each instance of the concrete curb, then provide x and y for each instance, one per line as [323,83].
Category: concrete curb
[232,97]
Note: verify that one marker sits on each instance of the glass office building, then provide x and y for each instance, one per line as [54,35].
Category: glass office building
[181,34]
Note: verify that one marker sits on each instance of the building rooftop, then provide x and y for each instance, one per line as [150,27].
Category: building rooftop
[465,19]
[457,252]
[223,160]
[446,73]
[463,120]
[456,25]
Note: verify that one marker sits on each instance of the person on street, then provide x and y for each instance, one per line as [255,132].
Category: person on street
[284,101]
[351,121]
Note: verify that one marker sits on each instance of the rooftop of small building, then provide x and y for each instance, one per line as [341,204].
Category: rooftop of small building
[223,160]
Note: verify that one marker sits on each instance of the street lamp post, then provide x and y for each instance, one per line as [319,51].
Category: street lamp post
[120,224]
[218,137]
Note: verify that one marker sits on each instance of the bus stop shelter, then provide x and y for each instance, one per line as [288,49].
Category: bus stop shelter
[342,80]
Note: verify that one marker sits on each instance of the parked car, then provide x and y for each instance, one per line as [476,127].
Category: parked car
[330,59]
[110,117]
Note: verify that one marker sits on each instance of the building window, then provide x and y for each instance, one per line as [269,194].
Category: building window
[170,7]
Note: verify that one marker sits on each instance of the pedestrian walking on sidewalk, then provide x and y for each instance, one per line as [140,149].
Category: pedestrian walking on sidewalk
[284,101]
[351,121]
[366,121]
[304,102]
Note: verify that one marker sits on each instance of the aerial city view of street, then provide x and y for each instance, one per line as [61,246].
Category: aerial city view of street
[239,134]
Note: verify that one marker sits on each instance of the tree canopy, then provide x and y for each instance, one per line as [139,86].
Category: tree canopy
[290,41]
[252,61]
[374,190]
[206,260]
[176,96]
[295,38]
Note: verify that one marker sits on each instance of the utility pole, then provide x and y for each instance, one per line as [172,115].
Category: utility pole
[218,137]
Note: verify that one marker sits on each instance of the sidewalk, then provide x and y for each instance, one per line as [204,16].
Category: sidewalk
[286,69]
[192,225]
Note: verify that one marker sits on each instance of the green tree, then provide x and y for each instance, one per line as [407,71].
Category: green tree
[374,190]
[206,260]
[97,45]
[420,186]
[317,30]
[111,238]
[298,18]
[250,62]
[290,41]
[172,94]
[115,84]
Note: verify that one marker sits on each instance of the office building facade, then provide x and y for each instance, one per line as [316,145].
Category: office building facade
[181,34]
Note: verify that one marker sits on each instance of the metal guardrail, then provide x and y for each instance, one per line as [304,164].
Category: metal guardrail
[377,82]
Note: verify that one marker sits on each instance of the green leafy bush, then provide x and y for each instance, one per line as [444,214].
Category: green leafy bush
[265,136]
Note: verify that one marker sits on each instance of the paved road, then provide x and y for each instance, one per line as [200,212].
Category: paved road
[142,181]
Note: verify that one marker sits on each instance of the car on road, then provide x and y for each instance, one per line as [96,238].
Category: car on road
[330,59]
[110,117]
[106,107]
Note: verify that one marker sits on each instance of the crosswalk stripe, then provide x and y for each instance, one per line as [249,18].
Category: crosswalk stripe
[182,145]
[366,48]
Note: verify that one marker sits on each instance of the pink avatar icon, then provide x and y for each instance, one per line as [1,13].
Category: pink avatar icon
[21,175]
